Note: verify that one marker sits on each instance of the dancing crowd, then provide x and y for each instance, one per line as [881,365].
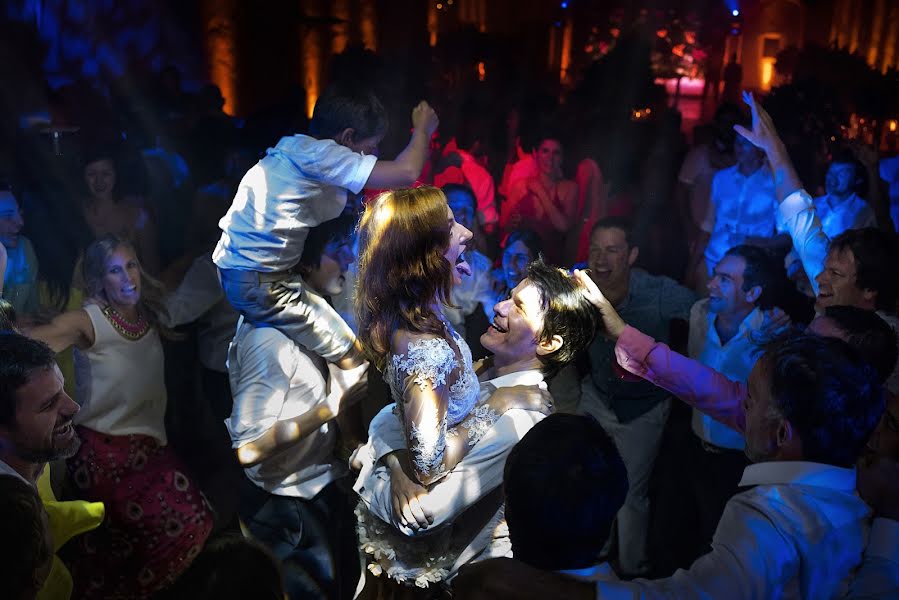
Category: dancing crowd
[434,376]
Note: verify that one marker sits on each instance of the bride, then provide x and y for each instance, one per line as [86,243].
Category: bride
[411,253]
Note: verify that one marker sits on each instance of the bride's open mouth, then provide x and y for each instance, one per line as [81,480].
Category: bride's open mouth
[462,266]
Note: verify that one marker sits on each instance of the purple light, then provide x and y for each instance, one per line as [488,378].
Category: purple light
[564,4]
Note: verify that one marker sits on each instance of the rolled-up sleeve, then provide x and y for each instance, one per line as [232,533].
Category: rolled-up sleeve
[800,219]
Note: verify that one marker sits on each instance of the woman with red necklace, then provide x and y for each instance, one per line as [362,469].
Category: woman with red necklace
[156,518]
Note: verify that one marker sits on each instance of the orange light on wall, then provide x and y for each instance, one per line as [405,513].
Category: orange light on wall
[368,23]
[893,124]
[482,71]
[767,67]
[433,26]
[222,51]
[565,61]
[311,67]
[340,10]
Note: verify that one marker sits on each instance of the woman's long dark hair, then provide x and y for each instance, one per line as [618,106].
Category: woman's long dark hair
[403,236]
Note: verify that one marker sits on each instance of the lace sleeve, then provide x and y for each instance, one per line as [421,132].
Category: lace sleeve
[423,371]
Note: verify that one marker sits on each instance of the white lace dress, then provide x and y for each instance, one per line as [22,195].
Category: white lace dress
[428,371]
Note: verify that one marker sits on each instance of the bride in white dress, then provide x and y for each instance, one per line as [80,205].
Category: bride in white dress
[410,255]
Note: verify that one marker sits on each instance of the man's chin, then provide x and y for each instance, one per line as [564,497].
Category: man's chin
[822,302]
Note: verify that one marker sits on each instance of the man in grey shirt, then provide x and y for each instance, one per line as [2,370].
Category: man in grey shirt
[634,414]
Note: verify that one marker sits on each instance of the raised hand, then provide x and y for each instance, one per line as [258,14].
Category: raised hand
[611,320]
[763,134]
[424,117]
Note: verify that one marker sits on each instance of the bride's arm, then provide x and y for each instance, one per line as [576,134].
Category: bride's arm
[427,364]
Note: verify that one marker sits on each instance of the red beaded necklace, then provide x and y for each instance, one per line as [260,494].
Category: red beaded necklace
[127,329]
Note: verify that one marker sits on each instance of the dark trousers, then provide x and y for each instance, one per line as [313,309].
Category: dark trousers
[314,539]
[690,502]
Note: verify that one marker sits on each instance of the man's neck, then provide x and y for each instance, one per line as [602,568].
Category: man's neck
[30,471]
[840,198]
[727,324]
[501,367]
[617,294]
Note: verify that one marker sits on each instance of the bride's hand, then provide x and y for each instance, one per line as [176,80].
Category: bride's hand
[524,397]
[404,495]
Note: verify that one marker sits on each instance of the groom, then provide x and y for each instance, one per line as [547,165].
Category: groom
[542,326]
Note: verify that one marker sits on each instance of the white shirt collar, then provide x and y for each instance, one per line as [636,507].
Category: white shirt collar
[528,377]
[799,472]
[752,322]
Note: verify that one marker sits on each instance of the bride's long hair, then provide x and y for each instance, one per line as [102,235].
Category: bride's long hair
[403,236]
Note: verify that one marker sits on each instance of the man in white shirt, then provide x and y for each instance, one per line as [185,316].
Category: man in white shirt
[743,205]
[694,180]
[544,324]
[725,335]
[35,411]
[281,428]
[841,208]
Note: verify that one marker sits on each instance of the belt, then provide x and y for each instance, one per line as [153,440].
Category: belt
[255,276]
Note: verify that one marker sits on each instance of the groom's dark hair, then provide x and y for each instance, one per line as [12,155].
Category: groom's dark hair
[566,312]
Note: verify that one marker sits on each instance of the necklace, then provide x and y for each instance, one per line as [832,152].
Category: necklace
[127,329]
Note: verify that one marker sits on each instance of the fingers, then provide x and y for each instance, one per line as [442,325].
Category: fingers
[749,135]
[418,513]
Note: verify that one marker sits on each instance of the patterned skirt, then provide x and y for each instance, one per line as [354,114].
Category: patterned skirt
[157,520]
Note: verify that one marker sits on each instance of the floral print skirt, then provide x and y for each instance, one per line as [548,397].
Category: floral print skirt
[157,520]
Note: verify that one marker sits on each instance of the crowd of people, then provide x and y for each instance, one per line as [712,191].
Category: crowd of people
[336,375]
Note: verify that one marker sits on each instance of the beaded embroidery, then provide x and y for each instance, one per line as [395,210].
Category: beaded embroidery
[125,328]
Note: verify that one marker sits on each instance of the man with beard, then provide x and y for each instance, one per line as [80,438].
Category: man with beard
[35,411]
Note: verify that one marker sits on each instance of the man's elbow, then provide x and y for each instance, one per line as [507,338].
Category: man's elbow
[249,455]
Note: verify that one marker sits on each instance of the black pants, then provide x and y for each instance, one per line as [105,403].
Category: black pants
[691,499]
[314,539]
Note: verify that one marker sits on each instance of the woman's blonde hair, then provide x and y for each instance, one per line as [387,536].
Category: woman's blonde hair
[403,236]
[152,292]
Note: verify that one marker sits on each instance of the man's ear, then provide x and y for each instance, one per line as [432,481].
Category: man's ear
[784,433]
[549,346]
[632,256]
[346,137]
[754,293]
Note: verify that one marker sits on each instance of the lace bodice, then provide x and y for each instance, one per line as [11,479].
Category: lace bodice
[428,370]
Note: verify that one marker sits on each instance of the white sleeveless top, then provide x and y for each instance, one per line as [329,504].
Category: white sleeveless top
[120,383]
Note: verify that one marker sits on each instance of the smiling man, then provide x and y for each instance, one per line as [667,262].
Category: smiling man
[724,335]
[634,414]
[544,323]
[35,411]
